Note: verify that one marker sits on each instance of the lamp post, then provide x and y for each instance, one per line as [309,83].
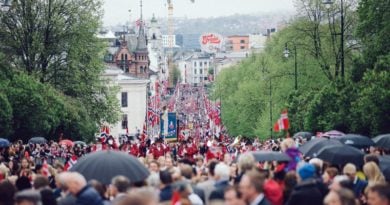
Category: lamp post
[5,5]
[286,53]
[328,4]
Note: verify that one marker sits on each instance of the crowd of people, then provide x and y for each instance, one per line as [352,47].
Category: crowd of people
[216,171]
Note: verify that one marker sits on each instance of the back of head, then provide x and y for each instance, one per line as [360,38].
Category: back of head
[246,162]
[257,179]
[371,158]
[166,177]
[141,196]
[121,183]
[211,167]
[372,171]
[99,187]
[7,192]
[222,171]
[349,169]
[41,182]
[31,196]
[23,183]
[287,143]
[186,171]
[382,189]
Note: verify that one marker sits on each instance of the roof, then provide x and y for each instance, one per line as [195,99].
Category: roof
[106,35]
[120,76]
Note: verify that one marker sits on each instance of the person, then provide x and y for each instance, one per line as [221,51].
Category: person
[78,187]
[140,196]
[7,193]
[379,194]
[288,146]
[119,186]
[373,173]
[166,190]
[187,172]
[208,185]
[28,197]
[358,184]
[340,182]
[290,181]
[221,176]
[232,196]
[340,197]
[251,188]
[246,162]
[41,183]
[309,190]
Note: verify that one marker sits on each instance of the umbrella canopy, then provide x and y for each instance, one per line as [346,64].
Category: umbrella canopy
[80,143]
[384,163]
[263,156]
[382,141]
[341,155]
[104,165]
[333,134]
[37,140]
[306,135]
[4,143]
[311,148]
[68,143]
[357,141]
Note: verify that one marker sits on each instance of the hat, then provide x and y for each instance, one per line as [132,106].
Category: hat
[349,169]
[306,171]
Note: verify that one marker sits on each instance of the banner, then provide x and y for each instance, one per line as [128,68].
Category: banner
[171,126]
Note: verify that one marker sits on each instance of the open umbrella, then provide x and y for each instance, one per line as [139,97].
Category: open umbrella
[68,143]
[263,156]
[306,135]
[333,134]
[37,140]
[104,165]
[382,141]
[4,143]
[311,148]
[357,141]
[384,163]
[341,155]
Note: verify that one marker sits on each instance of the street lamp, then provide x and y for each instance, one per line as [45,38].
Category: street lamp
[5,5]
[286,53]
[328,4]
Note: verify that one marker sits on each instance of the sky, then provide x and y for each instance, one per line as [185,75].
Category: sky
[117,11]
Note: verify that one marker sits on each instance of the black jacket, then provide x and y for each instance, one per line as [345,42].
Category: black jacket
[308,192]
[88,196]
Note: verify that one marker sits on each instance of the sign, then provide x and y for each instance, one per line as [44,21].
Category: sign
[170,126]
[211,42]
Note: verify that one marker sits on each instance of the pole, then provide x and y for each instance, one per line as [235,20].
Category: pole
[270,106]
[342,39]
[296,67]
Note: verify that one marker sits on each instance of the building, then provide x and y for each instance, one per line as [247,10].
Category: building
[166,39]
[197,69]
[132,96]
[257,42]
[129,52]
[237,43]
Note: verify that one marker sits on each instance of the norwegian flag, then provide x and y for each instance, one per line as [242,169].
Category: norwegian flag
[139,22]
[69,164]
[283,123]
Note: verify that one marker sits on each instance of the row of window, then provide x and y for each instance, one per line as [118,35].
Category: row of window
[124,57]
[200,71]
[201,64]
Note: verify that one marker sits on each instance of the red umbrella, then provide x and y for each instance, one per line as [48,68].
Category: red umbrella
[66,142]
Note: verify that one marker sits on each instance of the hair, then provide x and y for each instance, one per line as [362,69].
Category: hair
[99,187]
[166,177]
[142,196]
[186,171]
[348,168]
[7,192]
[28,195]
[23,183]
[332,172]
[287,143]
[121,183]
[382,189]
[212,167]
[41,182]
[233,188]
[346,196]
[246,162]
[373,173]
[222,170]
[155,162]
[257,179]
[371,158]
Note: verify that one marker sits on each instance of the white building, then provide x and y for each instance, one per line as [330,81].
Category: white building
[197,69]
[132,96]
[166,39]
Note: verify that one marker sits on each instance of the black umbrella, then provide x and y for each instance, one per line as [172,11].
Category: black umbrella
[104,165]
[382,141]
[384,163]
[311,148]
[263,156]
[341,155]
[357,141]
[4,143]
[306,135]
[37,140]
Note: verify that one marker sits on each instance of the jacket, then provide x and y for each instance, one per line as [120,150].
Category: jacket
[88,196]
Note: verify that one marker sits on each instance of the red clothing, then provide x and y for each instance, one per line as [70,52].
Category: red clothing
[273,192]
[158,151]
[134,150]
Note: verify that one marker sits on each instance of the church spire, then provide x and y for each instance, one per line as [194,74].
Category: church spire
[141,41]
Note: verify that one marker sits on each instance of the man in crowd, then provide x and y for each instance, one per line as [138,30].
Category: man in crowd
[358,184]
[119,187]
[379,194]
[251,188]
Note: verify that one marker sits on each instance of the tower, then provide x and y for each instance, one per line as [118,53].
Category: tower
[141,53]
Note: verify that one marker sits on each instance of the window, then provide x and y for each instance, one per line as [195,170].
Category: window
[205,78]
[122,56]
[195,71]
[242,47]
[126,57]
[200,71]
[242,41]
[124,99]
[124,121]
[200,64]
[140,69]
[205,64]
[195,64]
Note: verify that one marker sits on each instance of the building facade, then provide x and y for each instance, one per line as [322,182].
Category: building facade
[237,43]
[197,69]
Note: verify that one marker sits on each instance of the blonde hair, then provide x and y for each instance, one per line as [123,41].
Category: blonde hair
[373,173]
[287,143]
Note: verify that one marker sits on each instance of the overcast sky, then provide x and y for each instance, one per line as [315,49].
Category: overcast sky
[117,11]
